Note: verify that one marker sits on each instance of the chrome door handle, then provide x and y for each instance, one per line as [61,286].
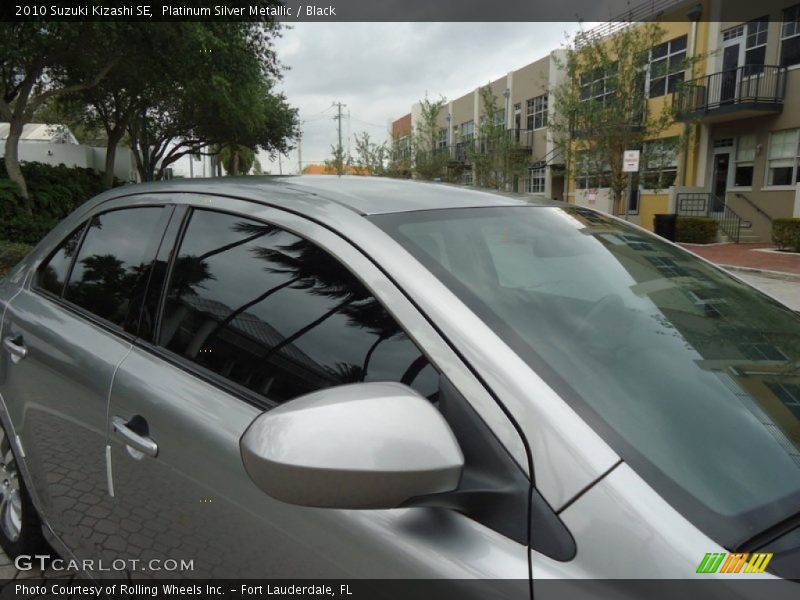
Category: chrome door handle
[142,443]
[15,348]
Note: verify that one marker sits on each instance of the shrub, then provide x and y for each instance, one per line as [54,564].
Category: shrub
[786,234]
[10,254]
[55,192]
[696,230]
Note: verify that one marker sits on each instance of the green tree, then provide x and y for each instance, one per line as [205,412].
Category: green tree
[602,104]
[237,160]
[233,103]
[123,94]
[429,164]
[336,163]
[498,157]
[370,156]
[33,57]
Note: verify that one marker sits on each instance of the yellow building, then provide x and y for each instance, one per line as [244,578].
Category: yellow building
[736,104]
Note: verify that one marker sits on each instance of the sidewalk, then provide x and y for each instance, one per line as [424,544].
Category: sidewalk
[749,256]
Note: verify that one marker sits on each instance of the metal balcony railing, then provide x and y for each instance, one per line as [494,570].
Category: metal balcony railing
[753,87]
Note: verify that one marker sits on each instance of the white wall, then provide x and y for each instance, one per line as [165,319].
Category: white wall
[187,166]
[603,201]
[76,155]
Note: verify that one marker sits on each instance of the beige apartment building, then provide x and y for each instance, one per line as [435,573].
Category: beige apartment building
[526,107]
[738,104]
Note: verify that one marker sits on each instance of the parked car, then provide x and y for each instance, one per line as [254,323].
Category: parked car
[368,378]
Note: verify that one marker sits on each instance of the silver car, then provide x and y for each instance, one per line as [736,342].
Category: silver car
[367,378]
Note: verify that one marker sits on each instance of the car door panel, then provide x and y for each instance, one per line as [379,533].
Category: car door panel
[195,502]
[57,398]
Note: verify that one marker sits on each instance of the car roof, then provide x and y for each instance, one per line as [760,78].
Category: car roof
[364,195]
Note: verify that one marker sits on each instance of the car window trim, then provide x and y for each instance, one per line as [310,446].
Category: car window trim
[176,213]
[177,242]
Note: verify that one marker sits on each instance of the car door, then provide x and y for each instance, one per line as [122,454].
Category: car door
[257,311]
[64,334]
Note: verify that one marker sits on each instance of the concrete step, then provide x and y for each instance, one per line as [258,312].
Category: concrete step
[749,238]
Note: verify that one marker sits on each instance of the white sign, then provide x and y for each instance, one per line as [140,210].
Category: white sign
[591,196]
[630,161]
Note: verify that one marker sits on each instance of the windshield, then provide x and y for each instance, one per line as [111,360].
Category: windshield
[693,377]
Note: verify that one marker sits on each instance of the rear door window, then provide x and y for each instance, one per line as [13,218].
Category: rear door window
[110,274]
[53,273]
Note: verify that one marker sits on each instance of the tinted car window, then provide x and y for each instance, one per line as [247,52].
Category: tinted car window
[53,274]
[110,273]
[273,312]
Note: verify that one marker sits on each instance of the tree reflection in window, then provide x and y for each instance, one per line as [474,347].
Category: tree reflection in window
[279,315]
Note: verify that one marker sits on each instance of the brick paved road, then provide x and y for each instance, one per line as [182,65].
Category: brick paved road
[748,255]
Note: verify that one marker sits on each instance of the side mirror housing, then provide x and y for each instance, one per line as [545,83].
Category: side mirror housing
[357,446]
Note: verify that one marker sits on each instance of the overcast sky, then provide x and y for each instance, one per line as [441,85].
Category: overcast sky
[380,69]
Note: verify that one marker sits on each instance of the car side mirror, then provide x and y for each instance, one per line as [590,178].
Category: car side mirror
[357,446]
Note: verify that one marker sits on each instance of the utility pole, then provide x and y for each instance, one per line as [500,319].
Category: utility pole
[145,146]
[338,118]
[300,153]
[348,135]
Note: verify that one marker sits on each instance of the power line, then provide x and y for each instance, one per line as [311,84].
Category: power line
[362,121]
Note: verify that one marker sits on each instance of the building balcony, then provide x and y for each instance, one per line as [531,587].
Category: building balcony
[744,92]
[591,117]
[459,151]
[524,137]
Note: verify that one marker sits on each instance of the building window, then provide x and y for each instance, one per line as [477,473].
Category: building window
[441,141]
[466,178]
[536,178]
[660,163]
[667,65]
[789,393]
[756,46]
[745,159]
[790,36]
[723,143]
[467,130]
[598,84]
[782,157]
[403,148]
[537,112]
[591,174]
[733,33]
[499,119]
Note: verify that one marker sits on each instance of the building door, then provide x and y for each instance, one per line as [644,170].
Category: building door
[733,46]
[719,184]
[730,64]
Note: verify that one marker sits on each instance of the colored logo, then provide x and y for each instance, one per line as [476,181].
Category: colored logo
[722,562]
